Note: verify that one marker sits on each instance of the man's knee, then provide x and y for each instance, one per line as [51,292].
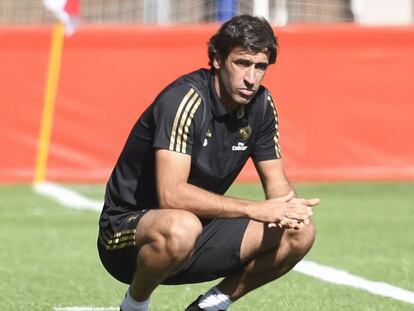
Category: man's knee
[174,233]
[181,233]
[300,241]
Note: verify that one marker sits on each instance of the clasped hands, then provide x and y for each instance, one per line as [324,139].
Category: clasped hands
[293,212]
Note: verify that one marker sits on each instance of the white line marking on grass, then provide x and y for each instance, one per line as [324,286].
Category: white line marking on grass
[67,197]
[72,199]
[76,308]
[342,277]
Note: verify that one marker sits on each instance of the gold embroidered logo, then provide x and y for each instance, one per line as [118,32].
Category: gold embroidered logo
[132,218]
[245,131]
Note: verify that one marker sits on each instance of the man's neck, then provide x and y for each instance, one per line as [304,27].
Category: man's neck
[230,106]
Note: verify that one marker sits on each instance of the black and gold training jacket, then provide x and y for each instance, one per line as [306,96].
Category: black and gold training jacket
[188,117]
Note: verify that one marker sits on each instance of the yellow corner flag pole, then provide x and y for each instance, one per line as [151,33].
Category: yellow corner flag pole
[49,102]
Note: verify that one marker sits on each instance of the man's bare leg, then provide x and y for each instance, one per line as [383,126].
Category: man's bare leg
[268,253]
[165,239]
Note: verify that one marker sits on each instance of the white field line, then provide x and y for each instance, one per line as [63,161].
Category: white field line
[342,277]
[73,199]
[67,197]
[80,308]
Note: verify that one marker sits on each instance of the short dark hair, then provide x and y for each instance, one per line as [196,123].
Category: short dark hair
[248,32]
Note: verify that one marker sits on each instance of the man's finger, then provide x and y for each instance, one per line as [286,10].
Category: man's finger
[292,223]
[313,202]
[297,216]
[309,202]
[299,226]
[287,197]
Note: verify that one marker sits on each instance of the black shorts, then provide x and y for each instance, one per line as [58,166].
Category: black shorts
[216,254]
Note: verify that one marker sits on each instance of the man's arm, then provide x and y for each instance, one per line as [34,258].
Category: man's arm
[273,177]
[174,192]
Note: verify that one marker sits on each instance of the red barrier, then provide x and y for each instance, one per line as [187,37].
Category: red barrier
[23,63]
[344,96]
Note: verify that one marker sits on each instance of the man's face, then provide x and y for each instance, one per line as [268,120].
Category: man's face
[239,76]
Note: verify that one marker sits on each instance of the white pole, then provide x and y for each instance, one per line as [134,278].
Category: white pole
[261,8]
[357,7]
[163,12]
[148,12]
[281,13]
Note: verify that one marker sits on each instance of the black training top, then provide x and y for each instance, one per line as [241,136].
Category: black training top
[188,117]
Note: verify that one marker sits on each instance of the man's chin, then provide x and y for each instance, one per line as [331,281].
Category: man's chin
[244,100]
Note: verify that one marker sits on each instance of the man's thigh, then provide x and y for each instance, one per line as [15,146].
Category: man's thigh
[122,235]
[117,244]
[216,254]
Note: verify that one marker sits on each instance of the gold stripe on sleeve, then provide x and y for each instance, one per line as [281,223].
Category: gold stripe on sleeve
[183,121]
[276,137]
[187,125]
[177,117]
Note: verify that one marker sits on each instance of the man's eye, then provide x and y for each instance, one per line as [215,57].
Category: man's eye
[261,66]
[242,63]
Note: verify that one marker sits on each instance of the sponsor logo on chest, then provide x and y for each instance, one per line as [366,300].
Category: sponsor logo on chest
[240,147]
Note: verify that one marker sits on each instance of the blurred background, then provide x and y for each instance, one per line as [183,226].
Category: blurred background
[163,12]
[342,82]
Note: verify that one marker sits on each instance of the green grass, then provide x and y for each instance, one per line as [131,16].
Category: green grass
[48,255]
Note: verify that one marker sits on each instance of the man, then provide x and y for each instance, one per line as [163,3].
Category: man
[166,219]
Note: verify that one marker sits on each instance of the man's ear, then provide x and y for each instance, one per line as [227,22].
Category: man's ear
[216,63]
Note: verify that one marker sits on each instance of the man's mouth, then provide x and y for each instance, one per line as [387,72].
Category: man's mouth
[246,92]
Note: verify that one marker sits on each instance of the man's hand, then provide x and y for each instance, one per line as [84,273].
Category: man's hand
[286,212]
[296,221]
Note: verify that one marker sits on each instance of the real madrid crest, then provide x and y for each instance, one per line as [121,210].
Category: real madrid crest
[245,130]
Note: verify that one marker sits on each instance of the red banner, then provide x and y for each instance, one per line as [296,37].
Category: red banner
[344,95]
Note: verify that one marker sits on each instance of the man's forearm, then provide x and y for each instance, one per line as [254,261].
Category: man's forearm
[204,203]
[278,189]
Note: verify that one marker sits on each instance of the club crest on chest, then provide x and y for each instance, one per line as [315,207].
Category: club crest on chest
[245,131]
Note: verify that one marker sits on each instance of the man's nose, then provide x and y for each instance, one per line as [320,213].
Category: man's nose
[250,76]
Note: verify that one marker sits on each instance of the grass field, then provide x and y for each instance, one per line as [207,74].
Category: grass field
[48,257]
